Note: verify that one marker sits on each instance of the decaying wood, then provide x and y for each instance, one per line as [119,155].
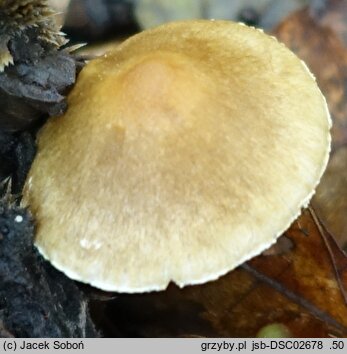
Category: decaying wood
[35,74]
[35,299]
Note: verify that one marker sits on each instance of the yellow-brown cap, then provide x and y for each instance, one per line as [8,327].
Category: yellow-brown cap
[184,152]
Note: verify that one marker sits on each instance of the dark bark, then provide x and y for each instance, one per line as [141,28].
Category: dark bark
[35,299]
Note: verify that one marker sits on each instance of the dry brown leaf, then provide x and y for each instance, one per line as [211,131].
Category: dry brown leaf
[319,37]
[330,201]
[326,55]
[299,289]
[331,14]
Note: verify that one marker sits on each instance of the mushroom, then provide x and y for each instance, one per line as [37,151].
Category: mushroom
[184,152]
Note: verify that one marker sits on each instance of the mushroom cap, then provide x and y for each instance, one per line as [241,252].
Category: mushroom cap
[184,152]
